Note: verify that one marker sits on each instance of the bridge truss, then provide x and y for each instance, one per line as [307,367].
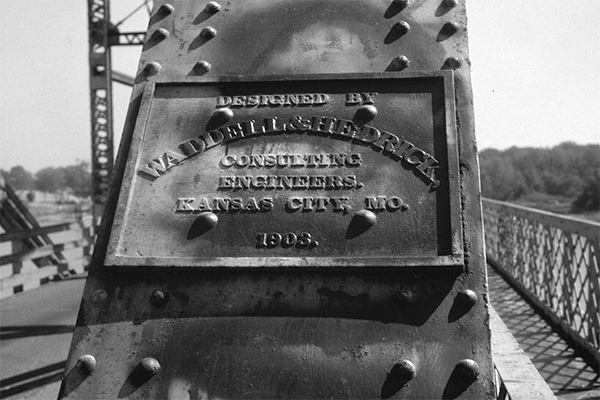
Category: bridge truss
[103,35]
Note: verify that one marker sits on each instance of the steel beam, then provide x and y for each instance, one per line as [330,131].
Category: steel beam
[100,102]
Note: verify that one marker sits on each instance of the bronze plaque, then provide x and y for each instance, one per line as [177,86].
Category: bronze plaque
[326,170]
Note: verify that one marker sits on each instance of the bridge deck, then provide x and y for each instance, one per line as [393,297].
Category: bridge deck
[35,333]
[567,374]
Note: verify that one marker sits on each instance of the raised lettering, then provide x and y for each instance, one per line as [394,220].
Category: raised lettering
[184,204]
[353,98]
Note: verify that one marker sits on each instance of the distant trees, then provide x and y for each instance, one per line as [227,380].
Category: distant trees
[18,177]
[568,170]
[75,177]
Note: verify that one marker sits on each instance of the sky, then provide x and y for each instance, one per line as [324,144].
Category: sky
[535,67]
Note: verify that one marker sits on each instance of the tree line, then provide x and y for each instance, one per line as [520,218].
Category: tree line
[76,178]
[568,170]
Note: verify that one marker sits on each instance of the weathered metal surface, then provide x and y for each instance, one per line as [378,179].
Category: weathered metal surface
[286,178]
[324,330]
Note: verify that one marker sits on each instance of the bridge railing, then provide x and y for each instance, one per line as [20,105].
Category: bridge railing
[26,263]
[553,260]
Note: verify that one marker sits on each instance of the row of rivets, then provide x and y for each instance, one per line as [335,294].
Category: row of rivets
[207,33]
[401,28]
[202,67]
[465,372]
[449,29]
[402,372]
[146,368]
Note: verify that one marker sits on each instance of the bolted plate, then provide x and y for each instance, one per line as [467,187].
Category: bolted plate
[319,170]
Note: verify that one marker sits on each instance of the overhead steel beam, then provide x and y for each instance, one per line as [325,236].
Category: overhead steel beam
[102,35]
[126,38]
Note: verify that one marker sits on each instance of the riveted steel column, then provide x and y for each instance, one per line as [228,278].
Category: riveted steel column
[370,283]
[100,103]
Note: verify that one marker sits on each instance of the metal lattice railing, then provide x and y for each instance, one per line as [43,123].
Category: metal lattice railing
[553,259]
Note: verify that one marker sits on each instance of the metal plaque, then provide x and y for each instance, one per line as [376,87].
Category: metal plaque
[325,170]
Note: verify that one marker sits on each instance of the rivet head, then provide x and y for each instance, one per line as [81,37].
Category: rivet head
[467,369]
[213,7]
[202,67]
[208,33]
[159,298]
[148,367]
[453,63]
[86,364]
[365,218]
[466,298]
[166,9]
[450,3]
[152,68]
[401,27]
[161,34]
[450,28]
[400,63]
[406,297]
[207,220]
[366,113]
[404,370]
[99,296]
[223,115]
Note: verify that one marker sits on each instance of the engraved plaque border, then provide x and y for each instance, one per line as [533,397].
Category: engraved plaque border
[456,258]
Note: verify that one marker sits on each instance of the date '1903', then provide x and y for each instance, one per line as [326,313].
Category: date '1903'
[301,240]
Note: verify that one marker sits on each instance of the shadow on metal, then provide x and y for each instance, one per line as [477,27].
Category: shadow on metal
[21,331]
[72,380]
[561,366]
[31,379]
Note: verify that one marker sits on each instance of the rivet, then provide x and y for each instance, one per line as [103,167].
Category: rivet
[202,67]
[99,296]
[86,364]
[159,298]
[450,3]
[366,113]
[406,297]
[223,115]
[404,370]
[401,27]
[466,298]
[152,68]
[148,367]
[365,219]
[213,7]
[165,9]
[467,369]
[450,28]
[161,34]
[400,63]
[453,63]
[208,33]
[207,220]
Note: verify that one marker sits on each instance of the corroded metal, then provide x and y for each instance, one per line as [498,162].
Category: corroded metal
[297,158]
[292,217]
